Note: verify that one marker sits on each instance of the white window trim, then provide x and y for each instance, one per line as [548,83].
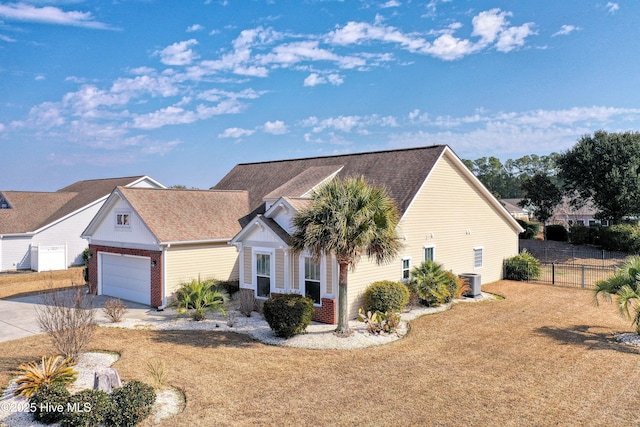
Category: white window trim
[272,270]
[481,249]
[115,219]
[402,279]
[323,277]
[425,247]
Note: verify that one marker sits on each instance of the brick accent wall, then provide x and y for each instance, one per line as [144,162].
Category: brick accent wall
[155,287]
[327,312]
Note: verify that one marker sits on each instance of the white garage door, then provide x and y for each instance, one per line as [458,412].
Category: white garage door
[126,277]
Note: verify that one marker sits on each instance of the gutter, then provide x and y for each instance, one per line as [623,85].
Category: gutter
[192,242]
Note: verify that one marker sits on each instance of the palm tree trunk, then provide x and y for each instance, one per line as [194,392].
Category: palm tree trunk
[343,308]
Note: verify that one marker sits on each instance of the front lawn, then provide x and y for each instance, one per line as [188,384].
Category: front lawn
[541,356]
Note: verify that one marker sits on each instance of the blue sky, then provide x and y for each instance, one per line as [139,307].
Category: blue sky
[183,91]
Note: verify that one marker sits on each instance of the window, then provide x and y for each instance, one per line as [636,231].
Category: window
[263,275]
[477,257]
[429,253]
[406,269]
[123,219]
[312,279]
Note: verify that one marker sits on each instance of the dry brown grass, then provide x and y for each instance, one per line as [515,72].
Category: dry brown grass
[541,356]
[18,284]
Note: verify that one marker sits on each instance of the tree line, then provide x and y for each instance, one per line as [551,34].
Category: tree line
[603,168]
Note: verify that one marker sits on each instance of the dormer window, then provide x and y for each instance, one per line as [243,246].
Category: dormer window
[123,219]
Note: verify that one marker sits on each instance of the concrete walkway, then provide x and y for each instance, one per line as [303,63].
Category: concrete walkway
[18,315]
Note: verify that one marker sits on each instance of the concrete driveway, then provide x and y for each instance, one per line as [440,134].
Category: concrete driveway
[18,315]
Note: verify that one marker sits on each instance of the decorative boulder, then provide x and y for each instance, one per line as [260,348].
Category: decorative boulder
[106,380]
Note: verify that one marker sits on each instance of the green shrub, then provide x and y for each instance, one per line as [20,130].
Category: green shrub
[581,235]
[557,232]
[288,314]
[531,229]
[132,403]
[621,237]
[50,395]
[385,295]
[523,266]
[431,283]
[457,286]
[197,297]
[87,408]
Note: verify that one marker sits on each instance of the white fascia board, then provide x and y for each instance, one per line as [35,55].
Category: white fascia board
[195,242]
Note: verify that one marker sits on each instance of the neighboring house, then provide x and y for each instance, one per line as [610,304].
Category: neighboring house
[512,206]
[41,231]
[446,215]
[569,215]
[143,243]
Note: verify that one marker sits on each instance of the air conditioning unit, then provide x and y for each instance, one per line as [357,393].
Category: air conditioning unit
[475,282]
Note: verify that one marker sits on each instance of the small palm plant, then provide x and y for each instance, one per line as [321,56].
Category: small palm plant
[54,369]
[198,297]
[625,285]
[431,283]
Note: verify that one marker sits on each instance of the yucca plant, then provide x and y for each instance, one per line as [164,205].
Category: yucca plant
[54,369]
[198,297]
[431,283]
[625,285]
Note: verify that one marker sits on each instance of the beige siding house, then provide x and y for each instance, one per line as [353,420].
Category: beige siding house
[446,215]
[144,243]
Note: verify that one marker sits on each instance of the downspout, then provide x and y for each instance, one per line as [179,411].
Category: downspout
[164,278]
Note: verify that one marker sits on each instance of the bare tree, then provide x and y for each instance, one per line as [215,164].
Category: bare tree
[68,317]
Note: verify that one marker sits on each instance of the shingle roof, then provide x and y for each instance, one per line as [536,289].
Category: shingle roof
[188,215]
[33,210]
[301,184]
[30,210]
[402,172]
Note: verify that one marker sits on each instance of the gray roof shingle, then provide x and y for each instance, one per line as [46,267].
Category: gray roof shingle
[401,172]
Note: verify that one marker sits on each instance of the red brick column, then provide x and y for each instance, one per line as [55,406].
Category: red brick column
[326,313]
[155,288]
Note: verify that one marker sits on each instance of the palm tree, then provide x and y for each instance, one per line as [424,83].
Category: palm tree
[348,218]
[625,285]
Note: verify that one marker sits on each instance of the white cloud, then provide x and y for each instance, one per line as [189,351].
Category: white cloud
[50,15]
[195,27]
[7,39]
[314,79]
[235,133]
[177,115]
[612,7]
[275,128]
[514,37]
[40,77]
[565,30]
[491,27]
[179,53]
[391,3]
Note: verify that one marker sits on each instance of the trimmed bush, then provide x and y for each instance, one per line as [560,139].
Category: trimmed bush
[621,237]
[288,314]
[49,396]
[581,235]
[557,233]
[531,229]
[523,266]
[132,404]
[385,296]
[87,408]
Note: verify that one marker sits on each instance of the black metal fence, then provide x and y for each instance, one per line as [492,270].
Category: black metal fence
[560,274]
[574,275]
